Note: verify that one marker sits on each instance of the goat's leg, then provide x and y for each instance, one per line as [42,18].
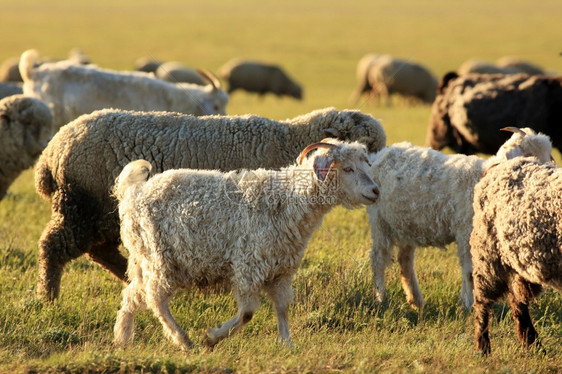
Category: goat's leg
[408,277]
[465,261]
[520,294]
[381,257]
[280,292]
[124,325]
[247,304]
[157,299]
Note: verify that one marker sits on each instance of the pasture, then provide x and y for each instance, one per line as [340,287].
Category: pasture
[334,322]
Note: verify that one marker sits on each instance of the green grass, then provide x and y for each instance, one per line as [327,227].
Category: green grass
[334,322]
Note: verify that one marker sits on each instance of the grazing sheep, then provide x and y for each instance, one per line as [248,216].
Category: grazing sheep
[78,168]
[186,228]
[481,67]
[516,242]
[254,76]
[71,90]
[469,110]
[9,89]
[389,75]
[147,64]
[426,200]
[519,65]
[9,71]
[175,72]
[362,73]
[25,129]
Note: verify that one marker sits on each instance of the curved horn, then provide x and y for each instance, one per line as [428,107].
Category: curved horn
[516,130]
[314,146]
[213,80]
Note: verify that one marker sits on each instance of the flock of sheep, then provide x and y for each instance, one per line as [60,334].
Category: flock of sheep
[199,198]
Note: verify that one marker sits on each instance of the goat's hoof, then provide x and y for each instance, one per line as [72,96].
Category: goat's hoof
[212,339]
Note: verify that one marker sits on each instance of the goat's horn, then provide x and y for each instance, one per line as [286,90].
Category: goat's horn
[213,80]
[314,146]
[516,130]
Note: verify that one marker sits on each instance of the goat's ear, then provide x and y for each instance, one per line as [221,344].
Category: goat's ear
[332,133]
[322,165]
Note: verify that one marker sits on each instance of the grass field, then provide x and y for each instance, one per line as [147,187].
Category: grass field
[334,322]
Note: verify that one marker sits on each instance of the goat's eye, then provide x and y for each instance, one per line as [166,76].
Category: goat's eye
[348,169]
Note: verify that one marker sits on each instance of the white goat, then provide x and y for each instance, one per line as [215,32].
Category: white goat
[426,200]
[248,229]
[71,90]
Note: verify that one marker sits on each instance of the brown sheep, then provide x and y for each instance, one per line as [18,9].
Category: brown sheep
[388,75]
[175,72]
[261,78]
[26,125]
[469,111]
[516,241]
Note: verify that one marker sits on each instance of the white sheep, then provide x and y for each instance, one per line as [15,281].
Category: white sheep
[516,241]
[248,229]
[79,166]
[426,200]
[71,90]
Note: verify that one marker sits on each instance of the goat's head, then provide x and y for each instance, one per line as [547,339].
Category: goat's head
[527,143]
[342,170]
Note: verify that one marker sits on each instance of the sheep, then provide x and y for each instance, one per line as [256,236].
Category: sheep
[147,64]
[362,73]
[519,65]
[9,89]
[516,242]
[469,110]
[426,200]
[25,129]
[389,75]
[246,229]
[254,76]
[475,66]
[80,164]
[71,90]
[9,71]
[175,72]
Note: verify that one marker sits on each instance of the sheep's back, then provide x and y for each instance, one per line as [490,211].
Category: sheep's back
[520,202]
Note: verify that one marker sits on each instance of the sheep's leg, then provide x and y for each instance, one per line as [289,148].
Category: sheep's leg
[57,246]
[487,290]
[381,256]
[281,294]
[124,325]
[482,325]
[157,301]
[108,256]
[465,261]
[247,304]
[520,293]
[408,276]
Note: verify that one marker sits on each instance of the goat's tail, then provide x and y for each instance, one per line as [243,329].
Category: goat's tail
[28,60]
[133,173]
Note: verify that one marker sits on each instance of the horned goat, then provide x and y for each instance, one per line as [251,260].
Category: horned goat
[426,200]
[248,229]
